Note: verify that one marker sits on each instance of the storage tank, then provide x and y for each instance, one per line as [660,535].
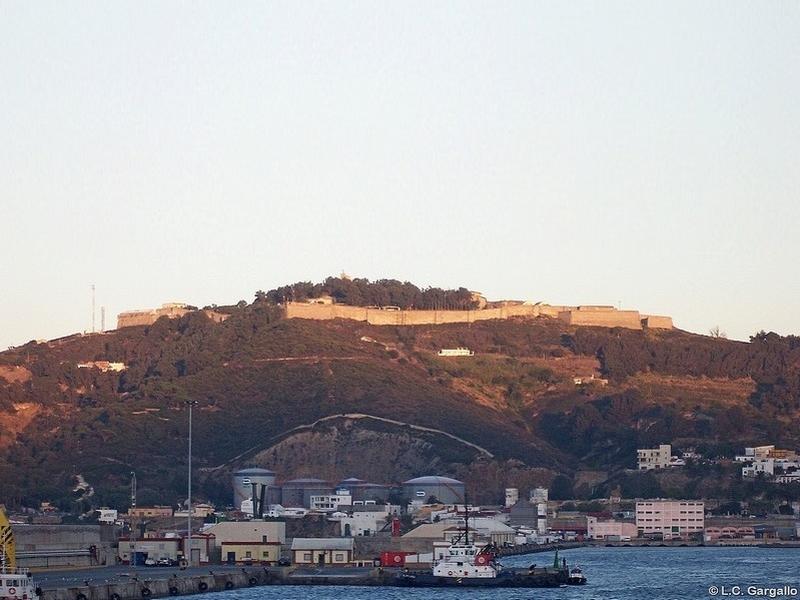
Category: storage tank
[444,489]
[298,492]
[361,490]
[242,483]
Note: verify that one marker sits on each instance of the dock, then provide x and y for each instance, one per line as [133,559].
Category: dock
[116,584]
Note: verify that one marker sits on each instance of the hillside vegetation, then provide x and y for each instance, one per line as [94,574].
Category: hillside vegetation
[266,387]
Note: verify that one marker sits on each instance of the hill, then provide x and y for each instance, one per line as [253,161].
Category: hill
[345,398]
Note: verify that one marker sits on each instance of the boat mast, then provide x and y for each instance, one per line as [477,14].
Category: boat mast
[466,520]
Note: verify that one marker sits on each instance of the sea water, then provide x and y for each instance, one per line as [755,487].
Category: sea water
[613,574]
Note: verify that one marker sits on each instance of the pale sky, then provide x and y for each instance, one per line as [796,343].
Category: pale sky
[637,153]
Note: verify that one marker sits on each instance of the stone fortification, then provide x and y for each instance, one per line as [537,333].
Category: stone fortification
[657,322]
[601,317]
[171,310]
[592,316]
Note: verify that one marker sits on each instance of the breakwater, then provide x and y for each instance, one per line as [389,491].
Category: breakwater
[536,548]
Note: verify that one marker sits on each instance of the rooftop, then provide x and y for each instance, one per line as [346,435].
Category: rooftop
[322,544]
[433,479]
[254,471]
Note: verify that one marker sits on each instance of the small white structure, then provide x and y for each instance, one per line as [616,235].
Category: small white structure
[456,352]
[759,465]
[538,494]
[107,516]
[367,521]
[512,497]
[103,365]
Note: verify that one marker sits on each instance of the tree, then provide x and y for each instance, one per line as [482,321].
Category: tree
[716,332]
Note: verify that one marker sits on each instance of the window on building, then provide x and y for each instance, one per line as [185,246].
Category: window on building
[339,558]
[265,554]
[307,557]
[248,554]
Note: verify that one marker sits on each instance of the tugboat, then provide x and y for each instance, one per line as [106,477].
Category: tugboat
[466,564]
[15,584]
[576,576]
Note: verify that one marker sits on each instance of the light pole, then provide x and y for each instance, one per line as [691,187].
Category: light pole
[190,404]
[132,513]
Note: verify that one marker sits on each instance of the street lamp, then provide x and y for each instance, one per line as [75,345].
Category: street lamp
[190,404]
[132,513]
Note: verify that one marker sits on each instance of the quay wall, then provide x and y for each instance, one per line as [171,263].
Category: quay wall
[137,589]
[184,585]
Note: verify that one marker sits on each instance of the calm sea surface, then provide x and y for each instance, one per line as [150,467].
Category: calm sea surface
[613,573]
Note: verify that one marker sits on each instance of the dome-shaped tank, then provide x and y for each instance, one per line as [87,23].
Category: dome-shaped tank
[443,489]
[243,479]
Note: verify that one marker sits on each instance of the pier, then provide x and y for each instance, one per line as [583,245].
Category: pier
[115,583]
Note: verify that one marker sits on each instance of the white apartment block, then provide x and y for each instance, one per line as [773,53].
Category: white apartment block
[759,465]
[654,458]
[674,519]
[330,502]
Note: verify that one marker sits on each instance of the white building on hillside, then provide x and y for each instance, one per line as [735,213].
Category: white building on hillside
[657,458]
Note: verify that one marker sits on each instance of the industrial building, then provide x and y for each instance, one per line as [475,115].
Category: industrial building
[443,489]
[149,548]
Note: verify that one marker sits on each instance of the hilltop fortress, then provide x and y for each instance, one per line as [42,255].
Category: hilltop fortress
[587,316]
[171,310]
[323,309]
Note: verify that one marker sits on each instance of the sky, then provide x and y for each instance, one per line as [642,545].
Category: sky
[640,154]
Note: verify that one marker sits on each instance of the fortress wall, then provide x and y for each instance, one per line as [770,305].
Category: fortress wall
[629,319]
[324,312]
[405,317]
[130,319]
[657,322]
[591,317]
[548,310]
[148,317]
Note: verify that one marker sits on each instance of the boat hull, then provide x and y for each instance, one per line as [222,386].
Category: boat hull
[504,579]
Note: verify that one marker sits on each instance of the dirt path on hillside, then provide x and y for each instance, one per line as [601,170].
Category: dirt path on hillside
[354,416]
